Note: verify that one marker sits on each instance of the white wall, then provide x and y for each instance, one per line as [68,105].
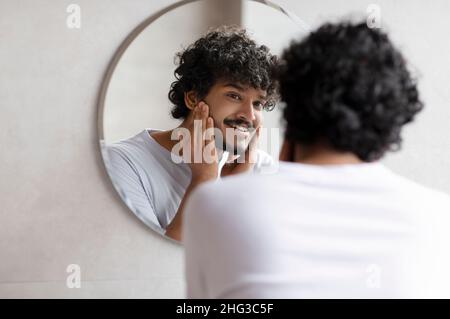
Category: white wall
[57,205]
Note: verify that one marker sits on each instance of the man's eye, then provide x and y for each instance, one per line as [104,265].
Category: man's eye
[234,96]
[258,105]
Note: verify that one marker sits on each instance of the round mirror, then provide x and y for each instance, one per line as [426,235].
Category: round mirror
[135,109]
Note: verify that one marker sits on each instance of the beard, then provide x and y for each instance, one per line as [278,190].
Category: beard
[237,146]
[232,148]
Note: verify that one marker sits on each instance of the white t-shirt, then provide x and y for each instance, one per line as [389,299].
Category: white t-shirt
[149,181]
[309,231]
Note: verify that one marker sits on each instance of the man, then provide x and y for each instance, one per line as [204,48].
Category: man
[232,77]
[333,222]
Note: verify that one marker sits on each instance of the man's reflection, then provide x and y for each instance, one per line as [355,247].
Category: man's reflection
[224,80]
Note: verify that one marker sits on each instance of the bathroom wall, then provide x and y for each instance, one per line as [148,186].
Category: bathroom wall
[57,206]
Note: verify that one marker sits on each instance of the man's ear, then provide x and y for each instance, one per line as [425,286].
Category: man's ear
[190,99]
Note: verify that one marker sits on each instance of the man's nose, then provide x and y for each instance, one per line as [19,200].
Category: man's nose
[247,112]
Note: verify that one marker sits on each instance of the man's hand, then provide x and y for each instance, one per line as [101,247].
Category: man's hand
[204,159]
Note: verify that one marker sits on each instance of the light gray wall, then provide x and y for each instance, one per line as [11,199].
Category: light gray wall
[57,205]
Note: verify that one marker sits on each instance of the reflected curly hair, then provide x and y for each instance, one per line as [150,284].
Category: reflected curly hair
[225,53]
[348,85]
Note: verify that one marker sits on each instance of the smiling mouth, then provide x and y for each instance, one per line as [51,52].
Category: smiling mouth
[240,128]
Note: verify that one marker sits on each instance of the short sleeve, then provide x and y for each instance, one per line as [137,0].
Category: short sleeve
[127,182]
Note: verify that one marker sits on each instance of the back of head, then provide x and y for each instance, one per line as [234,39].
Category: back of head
[347,85]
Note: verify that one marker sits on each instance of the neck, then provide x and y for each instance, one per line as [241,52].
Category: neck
[320,154]
[164,137]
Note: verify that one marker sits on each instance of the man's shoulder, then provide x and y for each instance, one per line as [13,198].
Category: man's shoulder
[126,145]
[137,154]
[239,188]
[224,201]
[417,192]
[137,148]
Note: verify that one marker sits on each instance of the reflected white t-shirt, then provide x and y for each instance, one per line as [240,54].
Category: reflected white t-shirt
[309,231]
[149,181]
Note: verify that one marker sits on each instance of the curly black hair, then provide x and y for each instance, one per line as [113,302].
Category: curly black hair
[347,84]
[224,53]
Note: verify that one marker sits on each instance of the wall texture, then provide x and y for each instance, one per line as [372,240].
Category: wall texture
[57,206]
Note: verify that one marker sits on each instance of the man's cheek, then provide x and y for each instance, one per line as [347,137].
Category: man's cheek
[259,119]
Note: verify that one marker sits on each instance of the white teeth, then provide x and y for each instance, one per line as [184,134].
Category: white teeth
[242,129]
